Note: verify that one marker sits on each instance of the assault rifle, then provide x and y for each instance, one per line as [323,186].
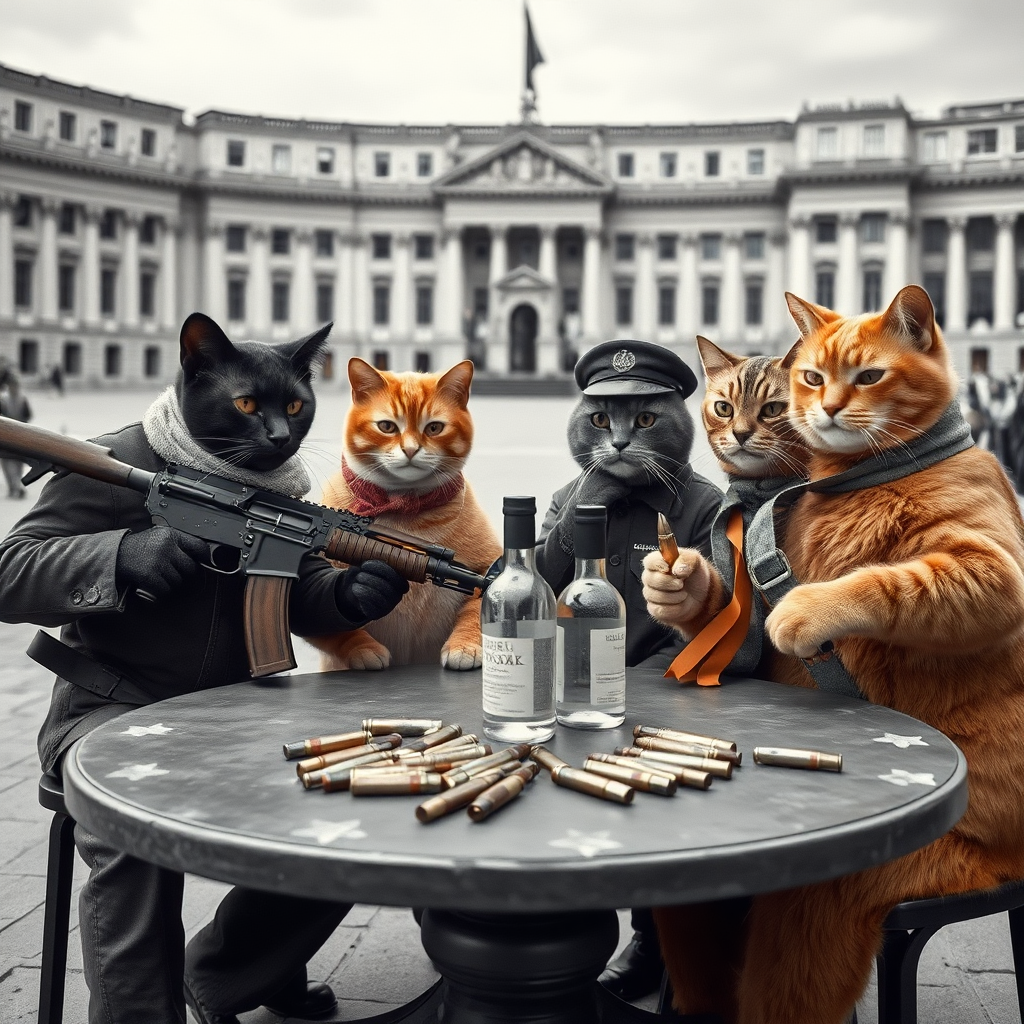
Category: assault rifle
[259,533]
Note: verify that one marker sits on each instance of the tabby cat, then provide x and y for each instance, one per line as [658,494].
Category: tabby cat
[407,437]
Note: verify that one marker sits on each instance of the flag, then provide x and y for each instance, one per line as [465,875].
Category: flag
[533,54]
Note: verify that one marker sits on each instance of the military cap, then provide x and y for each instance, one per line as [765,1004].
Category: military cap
[633,368]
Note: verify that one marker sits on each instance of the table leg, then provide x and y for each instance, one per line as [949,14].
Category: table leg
[504,968]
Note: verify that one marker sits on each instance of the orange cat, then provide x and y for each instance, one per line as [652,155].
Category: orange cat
[407,437]
[920,584]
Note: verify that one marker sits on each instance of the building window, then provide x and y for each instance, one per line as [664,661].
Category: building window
[68,126]
[108,224]
[979,360]
[66,288]
[22,116]
[280,302]
[570,300]
[112,360]
[147,293]
[825,230]
[667,246]
[236,299]
[710,247]
[23,284]
[1018,139]
[381,304]
[933,236]
[755,161]
[67,219]
[667,163]
[324,301]
[381,246]
[281,159]
[71,357]
[381,165]
[872,290]
[108,134]
[982,140]
[147,230]
[28,356]
[754,304]
[825,288]
[666,305]
[324,243]
[981,234]
[236,153]
[827,143]
[108,291]
[935,147]
[151,361]
[625,165]
[872,227]
[980,307]
[325,160]
[381,359]
[571,250]
[712,163]
[23,212]
[421,362]
[874,140]
[280,241]
[235,238]
[147,144]
[424,304]
[481,250]
[935,286]
[625,246]
[481,303]
[709,303]
[423,247]
[753,246]
[424,165]
[624,305]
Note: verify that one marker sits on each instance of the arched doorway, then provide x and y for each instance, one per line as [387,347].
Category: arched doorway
[522,331]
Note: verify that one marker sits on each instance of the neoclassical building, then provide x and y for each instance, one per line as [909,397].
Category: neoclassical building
[518,244]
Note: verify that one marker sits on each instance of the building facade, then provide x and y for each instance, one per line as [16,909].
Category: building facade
[520,245]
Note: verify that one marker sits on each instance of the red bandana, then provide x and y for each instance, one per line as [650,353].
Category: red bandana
[370,500]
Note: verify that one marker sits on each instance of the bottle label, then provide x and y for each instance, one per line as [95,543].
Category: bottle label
[508,675]
[560,664]
[608,667]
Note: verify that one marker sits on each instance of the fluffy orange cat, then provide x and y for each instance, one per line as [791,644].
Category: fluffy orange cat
[406,440]
[920,584]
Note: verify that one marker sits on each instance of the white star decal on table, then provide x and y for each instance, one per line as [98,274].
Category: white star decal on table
[586,844]
[325,832]
[146,730]
[135,772]
[901,741]
[898,777]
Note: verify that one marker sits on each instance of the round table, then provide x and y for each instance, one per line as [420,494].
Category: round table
[521,906]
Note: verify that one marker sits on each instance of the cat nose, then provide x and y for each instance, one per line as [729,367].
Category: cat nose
[831,408]
[410,448]
[741,436]
[619,445]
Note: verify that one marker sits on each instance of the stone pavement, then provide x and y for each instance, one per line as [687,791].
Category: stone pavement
[374,961]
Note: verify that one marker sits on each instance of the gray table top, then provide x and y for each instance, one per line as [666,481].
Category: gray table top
[198,783]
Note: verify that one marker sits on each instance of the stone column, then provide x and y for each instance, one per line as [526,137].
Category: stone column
[130,271]
[547,265]
[215,285]
[360,288]
[91,264]
[401,289]
[497,270]
[343,312]
[688,286]
[452,284]
[7,201]
[732,286]
[776,314]
[48,260]
[897,272]
[257,299]
[956,276]
[303,306]
[644,288]
[800,257]
[1005,273]
[169,274]
[846,278]
[590,300]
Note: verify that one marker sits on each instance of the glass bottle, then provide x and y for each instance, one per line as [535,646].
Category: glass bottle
[517,619]
[590,689]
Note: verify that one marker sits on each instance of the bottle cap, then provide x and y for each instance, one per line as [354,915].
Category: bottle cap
[589,534]
[519,512]
[519,505]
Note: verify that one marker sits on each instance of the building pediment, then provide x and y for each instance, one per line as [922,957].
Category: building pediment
[523,279]
[523,165]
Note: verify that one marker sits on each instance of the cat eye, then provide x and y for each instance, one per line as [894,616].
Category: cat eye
[870,376]
[815,380]
[294,408]
[387,426]
[600,419]
[723,409]
[773,409]
[433,428]
[246,404]
[646,419]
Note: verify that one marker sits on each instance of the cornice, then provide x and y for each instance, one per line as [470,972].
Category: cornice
[699,196]
[99,167]
[862,171]
[970,177]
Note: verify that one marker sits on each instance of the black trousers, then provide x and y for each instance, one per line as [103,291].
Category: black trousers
[133,942]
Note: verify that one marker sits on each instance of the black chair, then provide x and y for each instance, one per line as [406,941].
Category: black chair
[60,863]
[909,927]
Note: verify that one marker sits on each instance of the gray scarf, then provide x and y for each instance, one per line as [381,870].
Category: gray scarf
[169,437]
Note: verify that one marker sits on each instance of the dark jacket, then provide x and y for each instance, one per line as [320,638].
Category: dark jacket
[632,533]
[57,569]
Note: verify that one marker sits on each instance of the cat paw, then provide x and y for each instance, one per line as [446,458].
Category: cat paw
[364,655]
[462,657]
[804,619]
[675,594]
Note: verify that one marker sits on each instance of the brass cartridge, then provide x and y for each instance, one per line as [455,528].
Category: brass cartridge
[459,775]
[593,785]
[439,736]
[443,762]
[394,783]
[469,739]
[403,726]
[313,764]
[667,540]
[787,757]
[422,757]
[501,793]
[337,776]
[711,765]
[452,799]
[684,776]
[646,782]
[322,745]
[546,759]
[693,749]
[684,737]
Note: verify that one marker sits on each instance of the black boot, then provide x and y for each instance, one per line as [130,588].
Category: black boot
[310,1001]
[636,972]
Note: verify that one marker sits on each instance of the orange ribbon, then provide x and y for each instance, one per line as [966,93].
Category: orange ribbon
[708,654]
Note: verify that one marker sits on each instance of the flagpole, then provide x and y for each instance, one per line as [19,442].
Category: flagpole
[528,108]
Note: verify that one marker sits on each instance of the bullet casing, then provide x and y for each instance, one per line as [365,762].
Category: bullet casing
[336,778]
[646,782]
[501,793]
[322,745]
[466,740]
[432,756]
[788,757]
[689,777]
[439,736]
[546,759]
[313,764]
[684,737]
[395,783]
[667,540]
[480,764]
[693,749]
[452,799]
[591,784]
[711,765]
[403,726]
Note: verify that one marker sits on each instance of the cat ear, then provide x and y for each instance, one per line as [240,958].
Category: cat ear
[808,316]
[789,358]
[365,380]
[713,358]
[455,383]
[307,352]
[202,339]
[911,317]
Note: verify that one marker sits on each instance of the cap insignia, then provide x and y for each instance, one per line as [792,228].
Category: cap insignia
[623,360]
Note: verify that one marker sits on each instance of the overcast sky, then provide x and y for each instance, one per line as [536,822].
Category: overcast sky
[439,61]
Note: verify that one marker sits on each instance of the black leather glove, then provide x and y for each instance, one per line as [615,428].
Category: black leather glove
[369,591]
[597,489]
[158,560]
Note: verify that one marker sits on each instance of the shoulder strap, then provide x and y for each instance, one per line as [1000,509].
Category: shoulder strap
[83,671]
